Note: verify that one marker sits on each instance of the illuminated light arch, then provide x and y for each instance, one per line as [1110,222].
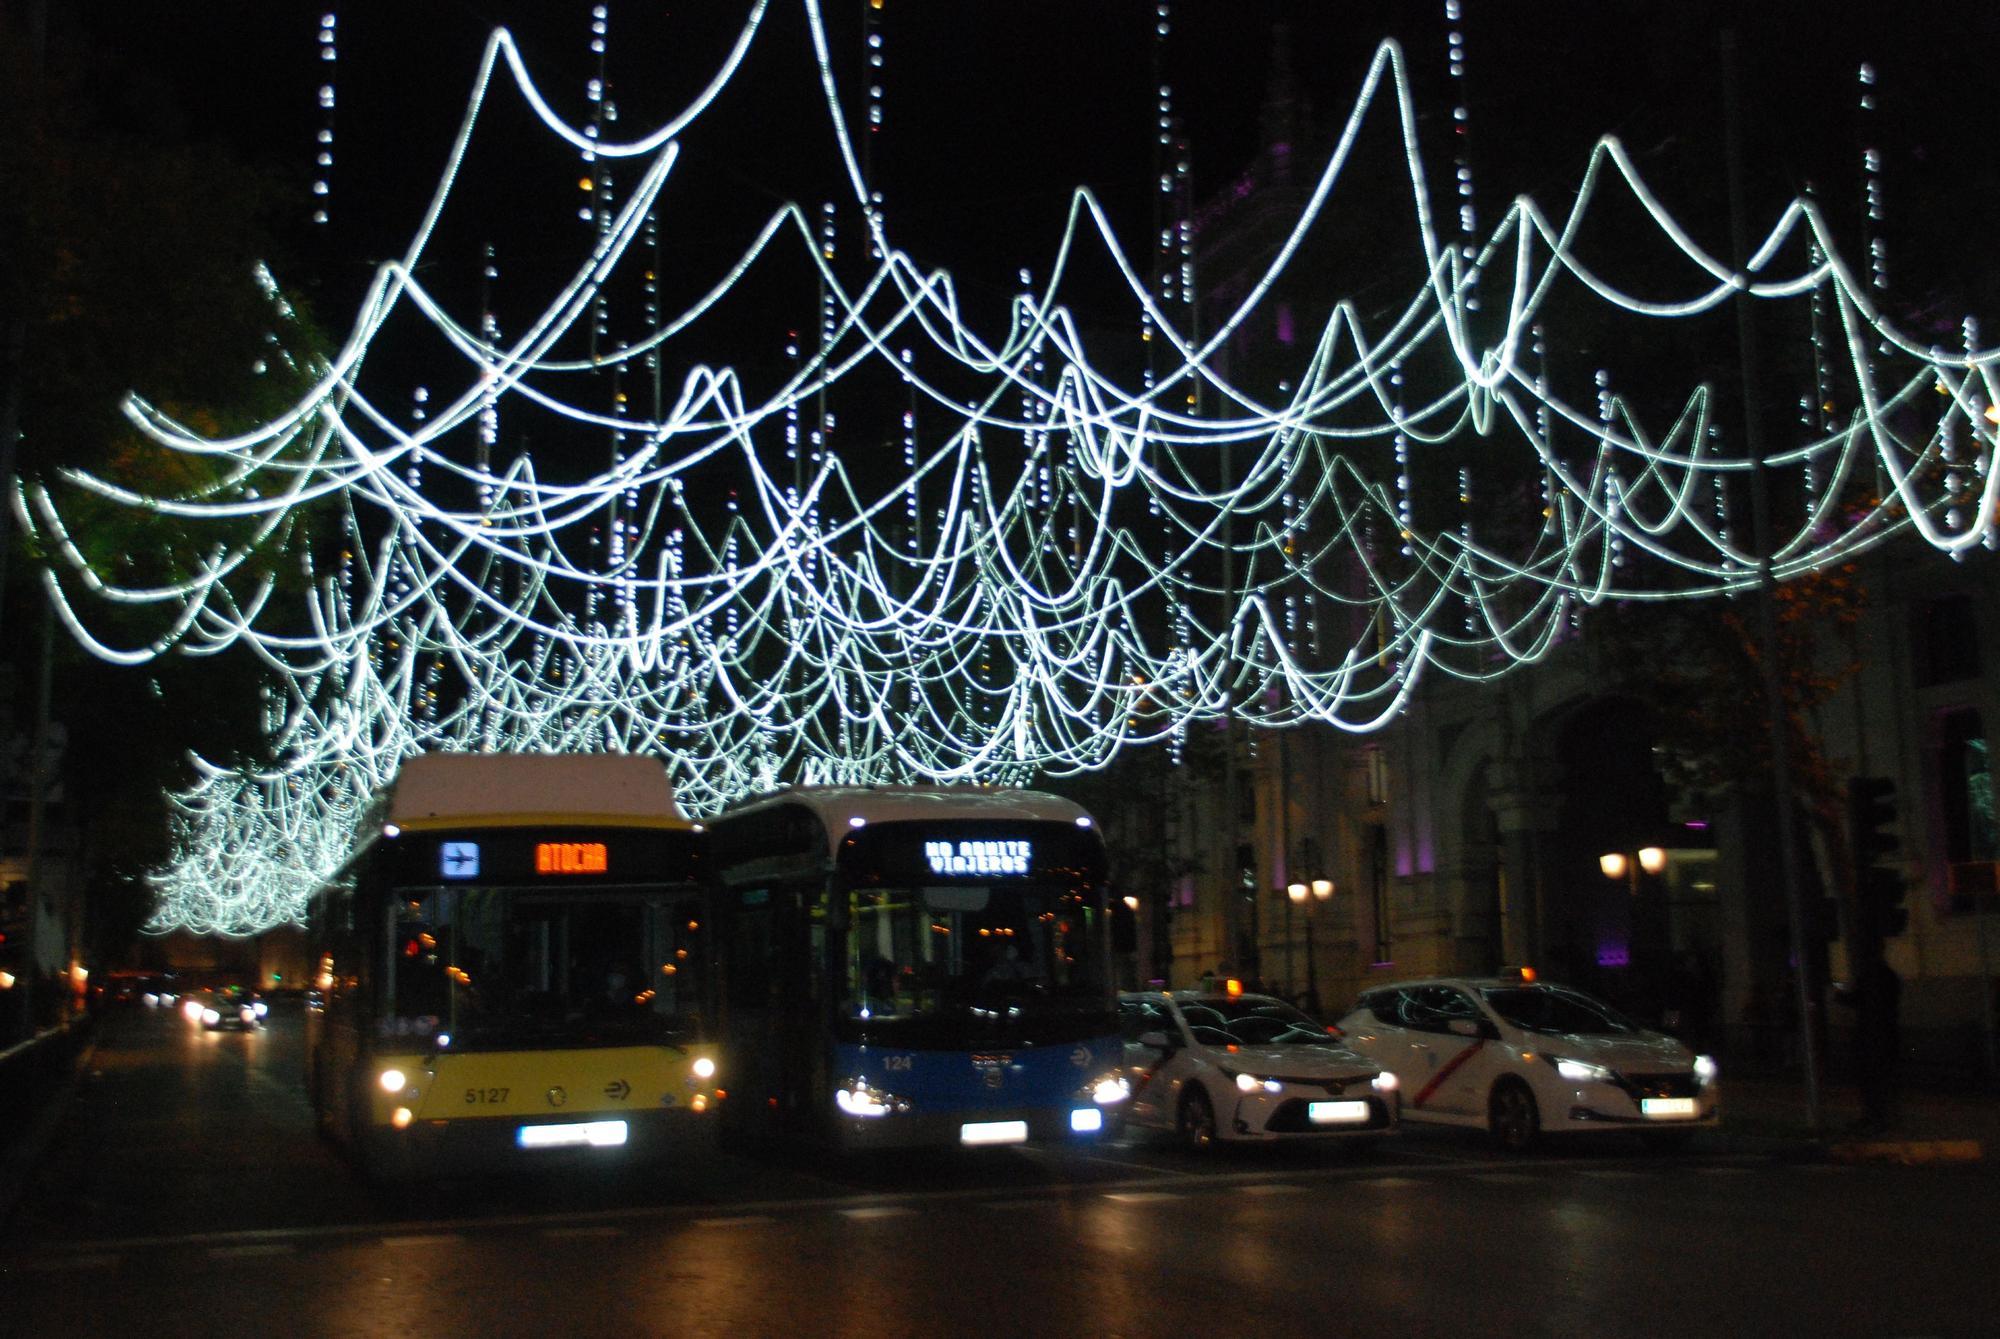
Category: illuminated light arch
[1058,571]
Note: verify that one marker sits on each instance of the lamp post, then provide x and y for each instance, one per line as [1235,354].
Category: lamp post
[1311,894]
[1618,865]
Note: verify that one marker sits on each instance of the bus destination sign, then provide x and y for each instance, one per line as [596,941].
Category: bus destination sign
[979,857]
[571,858]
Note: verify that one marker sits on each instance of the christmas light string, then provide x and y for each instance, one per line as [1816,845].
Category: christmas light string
[1041,583]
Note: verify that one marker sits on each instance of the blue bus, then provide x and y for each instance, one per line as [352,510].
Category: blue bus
[906,966]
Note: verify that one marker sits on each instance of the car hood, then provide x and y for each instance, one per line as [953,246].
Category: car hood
[1636,1053]
[1301,1062]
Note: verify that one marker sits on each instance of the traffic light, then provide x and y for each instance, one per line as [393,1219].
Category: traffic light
[1878,887]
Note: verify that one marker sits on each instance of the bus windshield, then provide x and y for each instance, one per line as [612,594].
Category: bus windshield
[933,965]
[496,966]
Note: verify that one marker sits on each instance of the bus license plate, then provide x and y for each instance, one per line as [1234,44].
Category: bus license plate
[591,1134]
[1666,1106]
[1336,1113]
[993,1132]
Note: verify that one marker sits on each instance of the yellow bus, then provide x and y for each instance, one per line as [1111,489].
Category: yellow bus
[513,969]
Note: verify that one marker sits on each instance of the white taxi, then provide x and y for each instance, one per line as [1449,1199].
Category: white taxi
[1520,1058]
[1231,1066]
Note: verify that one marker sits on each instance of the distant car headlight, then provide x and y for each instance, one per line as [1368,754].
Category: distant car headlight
[392,1080]
[191,1010]
[1111,1091]
[1385,1082]
[210,1016]
[1578,1071]
[1704,1069]
[261,1008]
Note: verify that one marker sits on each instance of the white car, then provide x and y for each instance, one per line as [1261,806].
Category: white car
[1246,1067]
[1520,1058]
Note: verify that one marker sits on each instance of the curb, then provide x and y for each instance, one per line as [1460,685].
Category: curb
[1906,1152]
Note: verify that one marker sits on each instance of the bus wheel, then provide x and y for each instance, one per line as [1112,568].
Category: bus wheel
[1196,1123]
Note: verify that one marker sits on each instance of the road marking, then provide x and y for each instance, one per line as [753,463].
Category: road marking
[1507,1178]
[605,1230]
[870,1211]
[69,1262]
[425,1239]
[1391,1181]
[1278,1188]
[1142,1196]
[740,1220]
[251,1252]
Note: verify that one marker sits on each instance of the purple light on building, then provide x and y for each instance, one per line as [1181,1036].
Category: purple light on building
[1613,955]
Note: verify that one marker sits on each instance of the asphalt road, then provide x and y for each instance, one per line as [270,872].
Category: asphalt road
[185,1193]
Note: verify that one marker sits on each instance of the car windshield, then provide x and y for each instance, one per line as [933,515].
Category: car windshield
[1250,1020]
[1555,1009]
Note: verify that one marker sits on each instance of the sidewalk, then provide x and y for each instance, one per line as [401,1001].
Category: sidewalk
[1931,1126]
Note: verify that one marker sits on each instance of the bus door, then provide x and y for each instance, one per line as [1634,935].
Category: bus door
[777,1038]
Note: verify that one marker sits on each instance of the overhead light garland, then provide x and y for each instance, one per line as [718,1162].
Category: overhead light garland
[1058,569]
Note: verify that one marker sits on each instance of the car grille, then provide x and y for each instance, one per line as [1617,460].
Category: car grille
[1661,1085]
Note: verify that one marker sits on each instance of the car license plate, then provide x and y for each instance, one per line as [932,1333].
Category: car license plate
[1666,1106]
[1336,1113]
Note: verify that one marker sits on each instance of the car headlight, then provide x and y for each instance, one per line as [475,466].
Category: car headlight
[1110,1091]
[210,1016]
[1385,1082]
[261,1008]
[1578,1071]
[1704,1069]
[1250,1083]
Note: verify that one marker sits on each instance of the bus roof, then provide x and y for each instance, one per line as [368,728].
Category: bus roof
[439,790]
[835,805]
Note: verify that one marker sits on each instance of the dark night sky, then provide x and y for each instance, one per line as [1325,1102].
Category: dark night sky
[996,109]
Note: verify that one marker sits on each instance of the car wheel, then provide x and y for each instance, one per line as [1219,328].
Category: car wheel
[1512,1118]
[1196,1123]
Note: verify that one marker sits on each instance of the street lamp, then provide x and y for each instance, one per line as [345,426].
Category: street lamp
[1311,894]
[1617,865]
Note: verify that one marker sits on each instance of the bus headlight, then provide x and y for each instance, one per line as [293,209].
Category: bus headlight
[704,1068]
[858,1099]
[1111,1091]
[392,1080]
